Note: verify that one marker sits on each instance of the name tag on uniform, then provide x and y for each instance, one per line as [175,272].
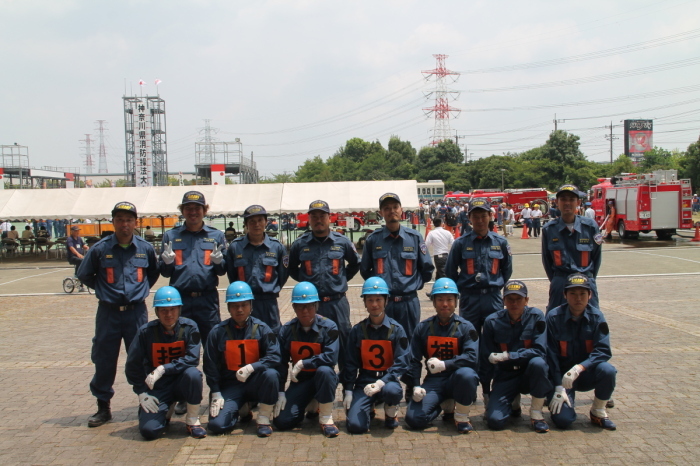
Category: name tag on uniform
[336,248]
[239,256]
[495,248]
[469,248]
[584,240]
[140,255]
[554,240]
[208,240]
[408,249]
[306,250]
[108,256]
[378,248]
[270,254]
[178,239]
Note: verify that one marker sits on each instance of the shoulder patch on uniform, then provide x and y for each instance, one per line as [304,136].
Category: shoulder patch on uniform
[353,247]
[403,342]
[540,326]
[423,248]
[196,338]
[603,327]
[598,239]
[333,334]
[473,335]
[285,261]
[271,337]
[510,252]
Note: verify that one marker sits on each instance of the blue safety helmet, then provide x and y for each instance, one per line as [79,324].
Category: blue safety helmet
[167,296]
[375,285]
[305,292]
[239,291]
[444,286]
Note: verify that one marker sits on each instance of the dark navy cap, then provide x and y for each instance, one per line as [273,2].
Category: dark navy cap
[254,210]
[515,287]
[578,280]
[568,188]
[388,196]
[479,203]
[193,197]
[124,207]
[319,205]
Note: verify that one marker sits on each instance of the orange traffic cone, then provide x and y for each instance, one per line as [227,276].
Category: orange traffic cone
[524,236]
[456,232]
[697,233]
[495,227]
[428,227]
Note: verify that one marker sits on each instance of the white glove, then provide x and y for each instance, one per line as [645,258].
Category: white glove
[216,405]
[149,403]
[154,376]
[168,255]
[298,366]
[281,403]
[244,372]
[560,397]
[372,389]
[347,401]
[572,374]
[418,394]
[495,358]
[435,366]
[216,256]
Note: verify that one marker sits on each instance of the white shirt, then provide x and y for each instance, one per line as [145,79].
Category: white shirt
[536,213]
[590,213]
[526,213]
[440,241]
[5,226]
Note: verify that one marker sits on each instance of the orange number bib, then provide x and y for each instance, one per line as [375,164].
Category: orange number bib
[240,353]
[443,348]
[165,353]
[377,355]
[302,350]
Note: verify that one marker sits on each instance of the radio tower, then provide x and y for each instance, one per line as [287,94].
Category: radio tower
[88,154]
[441,110]
[103,153]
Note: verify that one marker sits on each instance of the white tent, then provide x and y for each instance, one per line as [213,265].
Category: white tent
[97,203]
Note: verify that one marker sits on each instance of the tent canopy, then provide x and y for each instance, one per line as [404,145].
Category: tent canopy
[228,200]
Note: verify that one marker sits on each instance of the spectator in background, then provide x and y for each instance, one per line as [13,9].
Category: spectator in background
[148,234]
[5,227]
[13,233]
[440,242]
[696,203]
[536,215]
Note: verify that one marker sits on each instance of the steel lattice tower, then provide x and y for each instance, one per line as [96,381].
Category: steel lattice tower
[102,152]
[145,141]
[442,109]
[88,154]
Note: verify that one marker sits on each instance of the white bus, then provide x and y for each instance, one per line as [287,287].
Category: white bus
[433,189]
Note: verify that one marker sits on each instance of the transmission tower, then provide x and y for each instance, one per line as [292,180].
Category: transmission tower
[103,154]
[442,111]
[88,154]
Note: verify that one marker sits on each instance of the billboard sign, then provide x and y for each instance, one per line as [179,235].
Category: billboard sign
[638,137]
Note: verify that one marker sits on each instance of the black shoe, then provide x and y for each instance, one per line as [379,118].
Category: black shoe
[103,414]
[603,422]
[180,408]
[610,403]
[246,419]
[516,412]
[539,425]
[464,427]
[448,417]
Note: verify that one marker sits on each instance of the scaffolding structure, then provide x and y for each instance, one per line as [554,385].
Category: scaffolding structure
[102,152]
[441,110]
[208,151]
[15,165]
[145,140]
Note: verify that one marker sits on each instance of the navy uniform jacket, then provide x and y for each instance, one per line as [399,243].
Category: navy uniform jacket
[463,218]
[322,262]
[565,252]
[464,354]
[570,342]
[262,267]
[402,260]
[523,340]
[120,275]
[139,362]
[479,262]
[323,332]
[192,269]
[216,367]
[353,357]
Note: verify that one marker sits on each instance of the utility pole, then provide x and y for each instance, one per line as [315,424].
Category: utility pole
[555,121]
[611,137]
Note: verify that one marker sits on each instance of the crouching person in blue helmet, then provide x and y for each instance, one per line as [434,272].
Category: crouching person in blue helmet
[377,348]
[450,346]
[162,367]
[514,355]
[310,342]
[240,362]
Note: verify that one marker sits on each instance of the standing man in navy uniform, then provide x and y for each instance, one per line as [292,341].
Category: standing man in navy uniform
[480,263]
[121,268]
[162,367]
[240,361]
[261,262]
[377,349]
[310,342]
[578,350]
[514,354]
[400,257]
[450,347]
[570,244]
[328,260]
[193,259]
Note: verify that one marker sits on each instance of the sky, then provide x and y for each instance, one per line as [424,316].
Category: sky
[297,78]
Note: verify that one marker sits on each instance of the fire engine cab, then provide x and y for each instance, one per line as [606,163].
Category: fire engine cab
[632,203]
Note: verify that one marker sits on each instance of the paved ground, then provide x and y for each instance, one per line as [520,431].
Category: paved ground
[45,370]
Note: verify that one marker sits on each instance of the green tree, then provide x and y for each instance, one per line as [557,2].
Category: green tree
[657,159]
[313,170]
[279,178]
[690,165]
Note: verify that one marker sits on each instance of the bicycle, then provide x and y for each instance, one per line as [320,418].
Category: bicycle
[71,283]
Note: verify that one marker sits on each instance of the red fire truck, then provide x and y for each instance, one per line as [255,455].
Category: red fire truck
[353,221]
[632,203]
[515,197]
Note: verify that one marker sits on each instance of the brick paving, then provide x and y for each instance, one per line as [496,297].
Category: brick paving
[46,368]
